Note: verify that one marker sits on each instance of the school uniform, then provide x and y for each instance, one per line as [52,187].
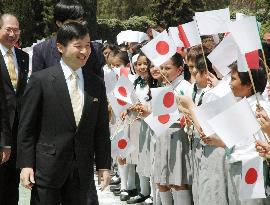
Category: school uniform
[244,151]
[172,149]
[212,183]
[133,130]
[196,144]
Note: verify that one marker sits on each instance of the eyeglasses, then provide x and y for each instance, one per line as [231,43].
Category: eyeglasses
[13,30]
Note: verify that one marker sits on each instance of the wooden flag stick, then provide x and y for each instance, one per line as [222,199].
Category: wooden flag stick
[204,58]
[266,66]
[253,86]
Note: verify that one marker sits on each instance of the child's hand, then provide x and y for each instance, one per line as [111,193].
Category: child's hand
[263,119]
[212,80]
[123,115]
[263,148]
[185,102]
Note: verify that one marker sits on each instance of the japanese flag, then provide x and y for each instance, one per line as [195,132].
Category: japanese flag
[123,89]
[224,55]
[174,34]
[246,35]
[121,71]
[189,34]
[118,106]
[159,49]
[213,22]
[121,145]
[248,61]
[161,123]
[163,100]
[252,183]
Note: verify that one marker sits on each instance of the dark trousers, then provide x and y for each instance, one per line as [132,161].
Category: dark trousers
[69,194]
[9,181]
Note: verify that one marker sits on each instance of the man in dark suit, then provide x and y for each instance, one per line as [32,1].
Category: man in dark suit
[5,132]
[63,125]
[46,54]
[14,70]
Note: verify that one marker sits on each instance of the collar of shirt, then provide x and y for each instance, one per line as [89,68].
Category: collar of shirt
[68,71]
[176,81]
[4,50]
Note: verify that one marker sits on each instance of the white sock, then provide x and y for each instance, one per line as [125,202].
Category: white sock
[144,185]
[157,200]
[131,177]
[123,171]
[182,197]
[166,198]
[152,187]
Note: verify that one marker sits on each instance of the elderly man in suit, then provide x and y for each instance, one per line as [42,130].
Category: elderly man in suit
[14,70]
[46,54]
[64,124]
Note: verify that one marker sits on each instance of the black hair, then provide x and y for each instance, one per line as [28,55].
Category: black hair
[200,64]
[177,60]
[259,77]
[68,9]
[70,31]
[110,46]
[123,55]
[187,74]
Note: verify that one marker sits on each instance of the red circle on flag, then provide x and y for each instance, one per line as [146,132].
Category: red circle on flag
[124,71]
[122,90]
[121,102]
[164,118]
[162,47]
[168,99]
[122,143]
[251,176]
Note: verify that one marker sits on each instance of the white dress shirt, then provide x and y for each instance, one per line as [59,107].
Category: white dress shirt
[4,51]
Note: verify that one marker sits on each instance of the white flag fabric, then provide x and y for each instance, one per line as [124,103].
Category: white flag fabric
[207,111]
[189,34]
[213,22]
[163,100]
[159,49]
[252,183]
[174,34]
[236,124]
[110,80]
[161,123]
[121,145]
[123,89]
[155,33]
[118,106]
[224,55]
[143,37]
[246,35]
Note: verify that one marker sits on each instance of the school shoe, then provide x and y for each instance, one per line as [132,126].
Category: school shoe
[149,201]
[126,194]
[137,199]
[115,188]
[115,180]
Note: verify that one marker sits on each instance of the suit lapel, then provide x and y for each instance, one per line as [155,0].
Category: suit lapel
[22,73]
[5,72]
[91,90]
[61,90]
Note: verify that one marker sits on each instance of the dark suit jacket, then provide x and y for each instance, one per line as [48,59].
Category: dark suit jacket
[5,132]
[49,140]
[14,97]
[46,54]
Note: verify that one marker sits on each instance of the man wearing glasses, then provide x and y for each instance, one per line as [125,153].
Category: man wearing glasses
[14,64]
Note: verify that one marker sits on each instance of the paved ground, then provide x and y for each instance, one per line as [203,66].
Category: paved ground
[105,198]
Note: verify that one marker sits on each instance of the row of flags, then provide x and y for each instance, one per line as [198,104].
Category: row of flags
[241,43]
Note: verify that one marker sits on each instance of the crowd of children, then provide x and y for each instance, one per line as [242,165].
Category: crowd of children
[183,166]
